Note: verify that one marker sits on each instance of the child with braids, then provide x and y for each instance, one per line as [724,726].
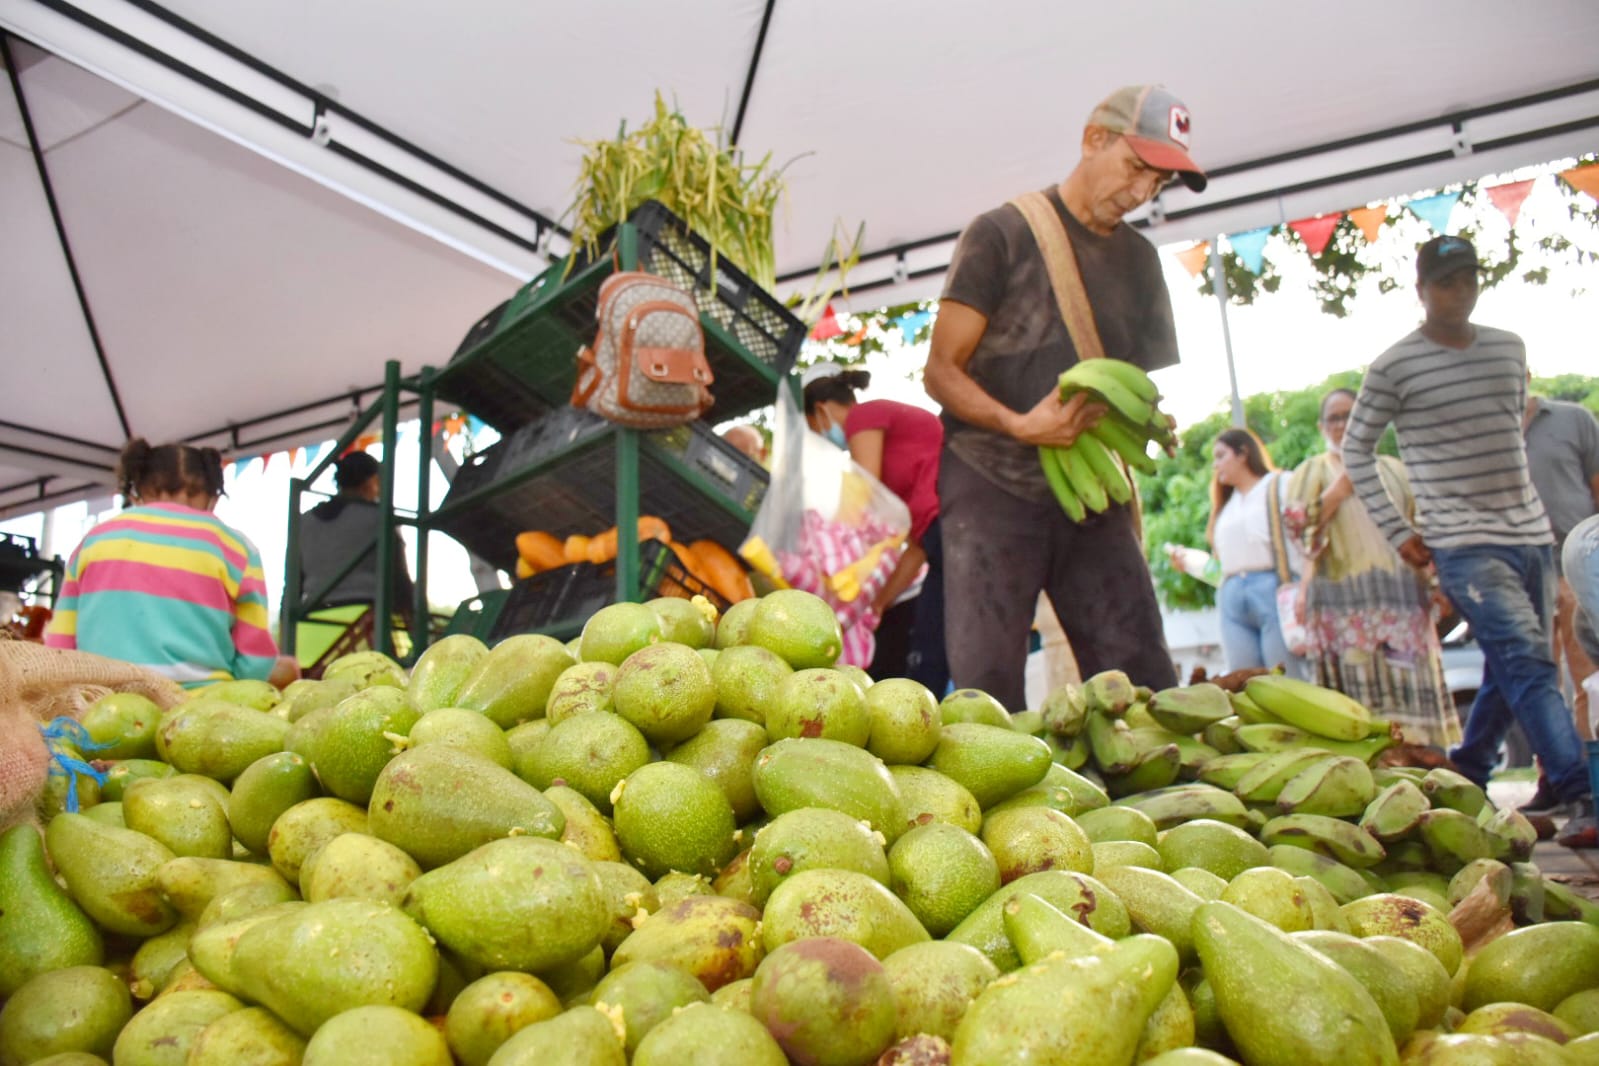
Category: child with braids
[165,584]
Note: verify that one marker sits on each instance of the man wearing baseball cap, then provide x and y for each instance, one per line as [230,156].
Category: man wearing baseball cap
[999,347]
[1455,393]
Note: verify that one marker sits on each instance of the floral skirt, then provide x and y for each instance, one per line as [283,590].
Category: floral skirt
[1371,637]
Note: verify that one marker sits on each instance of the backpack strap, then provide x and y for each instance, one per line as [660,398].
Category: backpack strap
[588,377]
[1055,244]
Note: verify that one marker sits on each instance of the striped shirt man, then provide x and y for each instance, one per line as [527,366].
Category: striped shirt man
[1458,415]
[170,588]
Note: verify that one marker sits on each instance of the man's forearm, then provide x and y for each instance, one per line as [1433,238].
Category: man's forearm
[957,393]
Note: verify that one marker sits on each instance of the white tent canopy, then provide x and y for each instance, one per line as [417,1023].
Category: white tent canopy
[219,219]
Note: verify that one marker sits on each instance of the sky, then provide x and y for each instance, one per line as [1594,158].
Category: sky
[1283,341]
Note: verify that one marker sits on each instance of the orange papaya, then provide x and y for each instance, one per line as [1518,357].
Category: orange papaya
[541,550]
[720,569]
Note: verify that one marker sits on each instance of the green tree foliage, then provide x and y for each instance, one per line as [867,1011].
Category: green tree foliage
[1176,498]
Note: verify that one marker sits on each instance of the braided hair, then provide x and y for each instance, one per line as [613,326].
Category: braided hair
[145,470]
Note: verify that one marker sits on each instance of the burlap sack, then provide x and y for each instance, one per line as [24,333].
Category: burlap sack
[38,684]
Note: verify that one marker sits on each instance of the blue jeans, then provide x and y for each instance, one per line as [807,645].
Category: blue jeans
[1507,593]
[1251,635]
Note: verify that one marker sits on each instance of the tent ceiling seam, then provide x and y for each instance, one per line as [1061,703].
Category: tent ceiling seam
[61,232]
[62,437]
[319,101]
[100,125]
[749,74]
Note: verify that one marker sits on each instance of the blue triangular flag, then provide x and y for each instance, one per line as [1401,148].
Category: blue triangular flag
[1435,210]
[911,323]
[1250,247]
[474,425]
[313,453]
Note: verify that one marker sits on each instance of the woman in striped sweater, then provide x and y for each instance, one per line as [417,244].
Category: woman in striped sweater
[165,584]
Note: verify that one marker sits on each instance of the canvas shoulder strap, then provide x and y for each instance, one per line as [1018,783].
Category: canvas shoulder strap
[1274,516]
[1055,244]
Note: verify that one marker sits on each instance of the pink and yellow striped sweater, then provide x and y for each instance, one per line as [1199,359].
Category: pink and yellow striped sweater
[170,588]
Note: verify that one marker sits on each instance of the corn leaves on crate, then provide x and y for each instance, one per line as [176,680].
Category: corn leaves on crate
[519,359]
[688,476]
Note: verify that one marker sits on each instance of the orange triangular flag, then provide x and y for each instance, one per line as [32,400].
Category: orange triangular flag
[1193,259]
[1584,179]
[1369,219]
[1508,198]
[294,456]
[854,339]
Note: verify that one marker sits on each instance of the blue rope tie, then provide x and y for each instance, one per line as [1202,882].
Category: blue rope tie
[59,733]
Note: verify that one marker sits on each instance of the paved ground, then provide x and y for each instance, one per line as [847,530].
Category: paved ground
[1577,869]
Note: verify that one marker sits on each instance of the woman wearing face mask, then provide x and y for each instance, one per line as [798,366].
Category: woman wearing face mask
[899,445]
[1240,535]
[1369,618]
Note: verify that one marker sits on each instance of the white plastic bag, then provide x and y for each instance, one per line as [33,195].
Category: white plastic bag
[826,526]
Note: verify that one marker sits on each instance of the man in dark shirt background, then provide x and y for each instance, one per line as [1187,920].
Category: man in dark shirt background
[998,348]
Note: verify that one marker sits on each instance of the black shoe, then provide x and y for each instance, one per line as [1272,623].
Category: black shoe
[1543,803]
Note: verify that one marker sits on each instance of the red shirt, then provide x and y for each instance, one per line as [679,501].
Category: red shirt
[912,439]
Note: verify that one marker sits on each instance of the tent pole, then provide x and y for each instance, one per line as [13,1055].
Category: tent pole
[1218,277]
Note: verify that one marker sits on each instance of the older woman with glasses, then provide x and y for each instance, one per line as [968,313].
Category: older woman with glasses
[1369,618]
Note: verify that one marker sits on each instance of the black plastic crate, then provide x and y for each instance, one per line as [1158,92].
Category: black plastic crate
[527,363]
[738,477]
[524,446]
[534,603]
[476,616]
[758,320]
[482,329]
[578,494]
[561,604]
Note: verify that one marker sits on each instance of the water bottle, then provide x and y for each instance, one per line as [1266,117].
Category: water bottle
[1195,563]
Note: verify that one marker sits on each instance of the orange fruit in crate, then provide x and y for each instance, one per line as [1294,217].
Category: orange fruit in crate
[541,550]
[720,569]
[576,549]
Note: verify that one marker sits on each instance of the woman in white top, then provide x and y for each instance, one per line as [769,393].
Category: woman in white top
[1240,537]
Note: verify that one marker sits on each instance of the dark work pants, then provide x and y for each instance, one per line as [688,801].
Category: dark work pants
[1001,551]
[928,661]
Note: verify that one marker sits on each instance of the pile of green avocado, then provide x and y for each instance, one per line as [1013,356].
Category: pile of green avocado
[684,839]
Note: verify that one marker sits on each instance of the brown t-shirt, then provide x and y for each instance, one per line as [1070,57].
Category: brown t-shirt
[997,269]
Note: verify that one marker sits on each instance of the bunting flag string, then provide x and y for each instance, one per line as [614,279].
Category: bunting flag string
[911,323]
[1435,210]
[827,326]
[1509,197]
[1316,232]
[1193,259]
[1250,247]
[1369,220]
[1584,179]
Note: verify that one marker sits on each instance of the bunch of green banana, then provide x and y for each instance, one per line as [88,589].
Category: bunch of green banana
[1092,474]
[1322,712]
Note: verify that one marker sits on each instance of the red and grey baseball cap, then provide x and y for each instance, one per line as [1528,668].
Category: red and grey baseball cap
[1156,126]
